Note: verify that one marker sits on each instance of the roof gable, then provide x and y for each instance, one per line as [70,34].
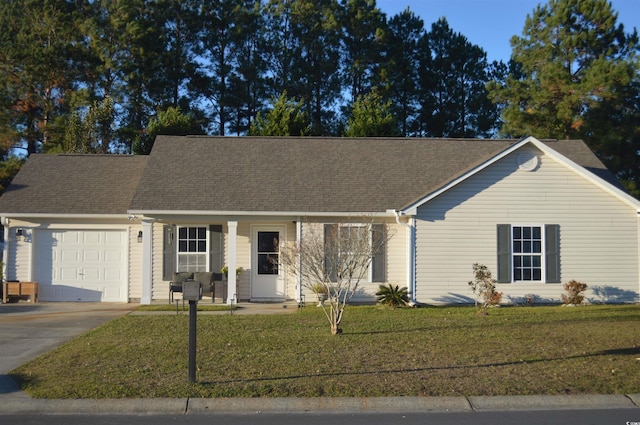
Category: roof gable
[583,162]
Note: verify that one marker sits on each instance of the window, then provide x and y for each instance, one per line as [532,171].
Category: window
[350,238]
[192,249]
[268,252]
[528,253]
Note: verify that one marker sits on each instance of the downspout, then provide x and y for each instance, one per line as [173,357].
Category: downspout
[411,253]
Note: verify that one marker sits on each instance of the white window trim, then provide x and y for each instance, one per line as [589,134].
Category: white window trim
[369,275]
[543,254]
[207,252]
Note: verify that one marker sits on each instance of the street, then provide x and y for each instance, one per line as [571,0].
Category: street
[623,416]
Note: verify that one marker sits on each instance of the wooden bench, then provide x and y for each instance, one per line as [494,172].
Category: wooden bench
[20,289]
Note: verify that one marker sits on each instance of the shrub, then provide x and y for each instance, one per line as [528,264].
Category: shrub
[574,292]
[530,299]
[484,287]
[392,296]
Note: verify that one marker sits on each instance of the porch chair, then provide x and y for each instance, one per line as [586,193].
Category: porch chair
[176,283]
[208,282]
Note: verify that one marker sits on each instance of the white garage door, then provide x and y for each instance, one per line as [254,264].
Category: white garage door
[81,265]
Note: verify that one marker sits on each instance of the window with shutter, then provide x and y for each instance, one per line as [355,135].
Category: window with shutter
[528,253]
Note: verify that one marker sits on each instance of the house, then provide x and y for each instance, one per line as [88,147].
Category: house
[116,228]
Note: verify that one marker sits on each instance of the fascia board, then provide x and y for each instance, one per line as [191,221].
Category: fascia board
[198,213]
[63,216]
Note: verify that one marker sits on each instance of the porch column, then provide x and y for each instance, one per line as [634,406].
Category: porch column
[232,288]
[299,277]
[147,261]
[411,259]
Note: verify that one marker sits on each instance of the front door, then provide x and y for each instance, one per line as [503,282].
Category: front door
[267,279]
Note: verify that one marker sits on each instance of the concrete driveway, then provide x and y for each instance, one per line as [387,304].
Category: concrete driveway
[30,329]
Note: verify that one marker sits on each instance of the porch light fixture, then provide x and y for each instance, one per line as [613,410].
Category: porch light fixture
[19,233]
[140,236]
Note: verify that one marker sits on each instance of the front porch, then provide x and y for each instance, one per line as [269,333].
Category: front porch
[206,244]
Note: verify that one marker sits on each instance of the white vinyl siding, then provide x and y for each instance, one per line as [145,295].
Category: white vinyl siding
[598,232]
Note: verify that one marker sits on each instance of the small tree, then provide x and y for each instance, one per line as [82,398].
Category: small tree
[484,287]
[286,118]
[171,121]
[372,117]
[336,257]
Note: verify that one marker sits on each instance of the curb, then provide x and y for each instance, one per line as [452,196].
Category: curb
[183,406]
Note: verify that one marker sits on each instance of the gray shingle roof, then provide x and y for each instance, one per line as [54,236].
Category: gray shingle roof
[244,174]
[73,184]
[310,174]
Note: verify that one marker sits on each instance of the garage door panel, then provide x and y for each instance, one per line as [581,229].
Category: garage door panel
[87,265]
[112,256]
[90,274]
[91,237]
[68,273]
[91,255]
[113,274]
[70,255]
[114,237]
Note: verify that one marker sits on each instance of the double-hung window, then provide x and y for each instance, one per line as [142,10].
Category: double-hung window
[528,253]
[192,249]
[350,242]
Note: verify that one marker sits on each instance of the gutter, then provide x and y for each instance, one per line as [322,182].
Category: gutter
[222,213]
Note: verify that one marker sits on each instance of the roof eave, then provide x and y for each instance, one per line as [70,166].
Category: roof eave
[223,213]
[61,215]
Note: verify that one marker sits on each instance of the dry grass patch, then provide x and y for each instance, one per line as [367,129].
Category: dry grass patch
[382,352]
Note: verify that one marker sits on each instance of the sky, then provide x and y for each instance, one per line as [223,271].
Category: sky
[490,24]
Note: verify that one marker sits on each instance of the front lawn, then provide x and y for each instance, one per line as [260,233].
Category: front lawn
[447,351]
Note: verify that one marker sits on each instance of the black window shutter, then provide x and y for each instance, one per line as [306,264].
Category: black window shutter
[330,232]
[168,251]
[552,252]
[378,262]
[504,253]
[215,249]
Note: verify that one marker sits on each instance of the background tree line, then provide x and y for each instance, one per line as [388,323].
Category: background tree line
[106,76]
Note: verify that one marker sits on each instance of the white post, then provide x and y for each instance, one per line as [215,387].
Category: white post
[232,288]
[411,259]
[299,277]
[147,262]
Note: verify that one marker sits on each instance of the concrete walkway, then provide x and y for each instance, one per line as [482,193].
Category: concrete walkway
[28,330]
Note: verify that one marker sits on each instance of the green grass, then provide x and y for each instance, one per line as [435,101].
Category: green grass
[429,351]
[185,307]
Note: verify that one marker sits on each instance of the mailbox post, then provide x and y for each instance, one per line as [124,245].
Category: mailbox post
[192,292]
